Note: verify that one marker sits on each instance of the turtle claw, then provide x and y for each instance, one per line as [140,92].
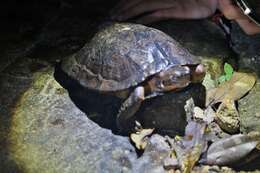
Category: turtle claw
[130,106]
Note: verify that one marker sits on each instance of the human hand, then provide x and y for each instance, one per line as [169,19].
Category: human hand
[232,12]
[148,11]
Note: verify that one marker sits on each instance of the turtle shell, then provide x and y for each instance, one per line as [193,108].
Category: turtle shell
[123,55]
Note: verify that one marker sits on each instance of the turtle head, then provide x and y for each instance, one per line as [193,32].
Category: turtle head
[197,73]
[178,77]
[172,78]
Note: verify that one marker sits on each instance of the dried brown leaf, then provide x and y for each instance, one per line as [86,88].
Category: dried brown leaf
[227,117]
[234,89]
[190,158]
[229,150]
[139,138]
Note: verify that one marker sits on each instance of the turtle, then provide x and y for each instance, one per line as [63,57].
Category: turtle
[133,62]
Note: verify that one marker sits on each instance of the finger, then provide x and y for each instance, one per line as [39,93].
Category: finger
[185,11]
[144,7]
[231,11]
[163,14]
[248,26]
[226,2]
[178,12]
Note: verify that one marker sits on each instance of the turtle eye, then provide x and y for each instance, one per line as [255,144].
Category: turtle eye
[174,78]
[159,84]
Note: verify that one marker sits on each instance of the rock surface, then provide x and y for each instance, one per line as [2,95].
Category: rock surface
[247,48]
[152,160]
[48,133]
[249,111]
[166,113]
[12,85]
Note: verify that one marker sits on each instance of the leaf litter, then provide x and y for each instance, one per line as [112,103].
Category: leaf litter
[211,136]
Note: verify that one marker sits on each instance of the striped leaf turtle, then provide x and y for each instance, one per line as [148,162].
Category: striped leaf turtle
[133,62]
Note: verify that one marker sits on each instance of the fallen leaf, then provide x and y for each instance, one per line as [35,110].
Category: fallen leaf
[189,109]
[170,163]
[189,148]
[198,113]
[209,115]
[215,133]
[255,135]
[194,134]
[140,138]
[190,158]
[228,150]
[227,117]
[239,84]
[187,157]
[206,115]
[222,79]
[208,82]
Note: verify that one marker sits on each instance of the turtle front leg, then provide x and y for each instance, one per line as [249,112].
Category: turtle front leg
[130,106]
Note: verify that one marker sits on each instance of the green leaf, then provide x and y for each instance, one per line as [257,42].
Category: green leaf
[228,69]
[228,76]
[228,72]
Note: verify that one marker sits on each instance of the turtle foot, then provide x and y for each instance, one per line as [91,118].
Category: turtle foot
[130,106]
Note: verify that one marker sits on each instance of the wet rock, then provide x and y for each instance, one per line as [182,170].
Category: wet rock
[48,133]
[249,110]
[247,47]
[166,113]
[100,108]
[213,169]
[13,82]
[12,47]
[154,155]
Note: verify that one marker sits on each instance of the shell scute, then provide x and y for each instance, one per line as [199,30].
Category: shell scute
[123,55]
